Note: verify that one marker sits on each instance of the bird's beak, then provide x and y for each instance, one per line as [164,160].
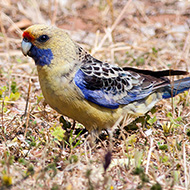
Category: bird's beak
[26,46]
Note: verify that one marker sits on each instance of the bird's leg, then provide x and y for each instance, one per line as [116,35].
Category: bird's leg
[74,123]
[44,112]
[94,137]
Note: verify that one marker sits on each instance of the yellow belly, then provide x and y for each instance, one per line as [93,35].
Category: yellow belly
[92,116]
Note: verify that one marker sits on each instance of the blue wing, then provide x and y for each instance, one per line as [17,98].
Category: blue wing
[92,92]
[110,86]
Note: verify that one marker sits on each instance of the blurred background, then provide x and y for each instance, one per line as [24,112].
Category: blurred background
[141,26]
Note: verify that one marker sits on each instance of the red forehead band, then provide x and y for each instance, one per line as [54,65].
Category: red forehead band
[28,36]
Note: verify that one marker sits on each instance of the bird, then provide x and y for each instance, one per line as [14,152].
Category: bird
[90,91]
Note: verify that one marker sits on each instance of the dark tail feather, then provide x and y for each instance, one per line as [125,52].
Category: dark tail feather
[176,88]
[157,74]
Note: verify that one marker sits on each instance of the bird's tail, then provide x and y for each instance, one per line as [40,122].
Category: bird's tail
[176,88]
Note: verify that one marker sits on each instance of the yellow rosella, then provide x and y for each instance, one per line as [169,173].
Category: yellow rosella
[90,91]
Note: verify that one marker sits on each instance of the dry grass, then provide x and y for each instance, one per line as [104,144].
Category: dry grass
[39,152]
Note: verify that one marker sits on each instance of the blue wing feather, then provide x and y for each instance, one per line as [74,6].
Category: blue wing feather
[111,86]
[95,96]
[107,98]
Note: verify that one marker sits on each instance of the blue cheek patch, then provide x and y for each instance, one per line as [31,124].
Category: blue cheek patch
[41,56]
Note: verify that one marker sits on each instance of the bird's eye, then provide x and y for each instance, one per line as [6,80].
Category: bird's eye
[43,38]
[25,39]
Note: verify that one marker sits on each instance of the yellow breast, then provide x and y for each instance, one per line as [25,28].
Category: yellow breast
[63,95]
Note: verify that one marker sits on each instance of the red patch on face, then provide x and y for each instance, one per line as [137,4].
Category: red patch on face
[28,36]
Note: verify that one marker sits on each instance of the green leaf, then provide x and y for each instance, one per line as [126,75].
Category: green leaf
[138,157]
[151,121]
[14,87]
[156,186]
[154,50]
[14,96]
[39,98]
[58,133]
[163,147]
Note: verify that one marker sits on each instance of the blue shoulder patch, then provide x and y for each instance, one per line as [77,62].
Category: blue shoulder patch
[97,96]
[41,56]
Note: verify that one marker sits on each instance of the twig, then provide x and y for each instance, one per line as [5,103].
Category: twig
[27,120]
[10,53]
[184,160]
[11,22]
[13,102]
[2,121]
[185,51]
[149,155]
[96,39]
[27,102]
[54,16]
[142,133]
[110,3]
[112,27]
[167,172]
[28,97]
[24,76]
[3,30]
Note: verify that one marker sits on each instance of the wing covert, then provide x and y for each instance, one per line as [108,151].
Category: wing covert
[110,86]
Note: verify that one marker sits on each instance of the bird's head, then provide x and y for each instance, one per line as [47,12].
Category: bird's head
[44,43]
